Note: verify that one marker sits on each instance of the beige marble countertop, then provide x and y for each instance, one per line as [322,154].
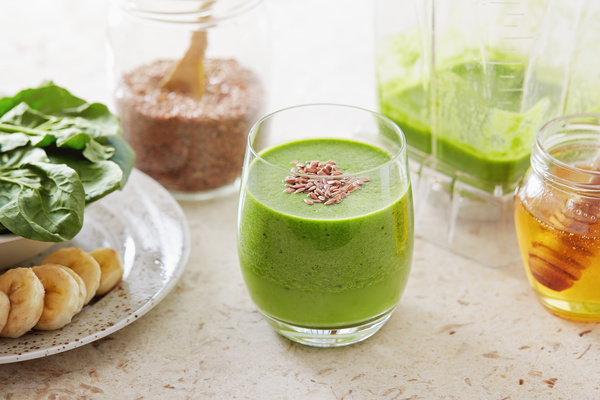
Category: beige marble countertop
[461,331]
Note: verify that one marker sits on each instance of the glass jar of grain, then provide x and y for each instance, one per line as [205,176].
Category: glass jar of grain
[188,78]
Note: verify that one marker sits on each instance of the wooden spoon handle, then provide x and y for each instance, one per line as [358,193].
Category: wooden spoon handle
[188,75]
[596,167]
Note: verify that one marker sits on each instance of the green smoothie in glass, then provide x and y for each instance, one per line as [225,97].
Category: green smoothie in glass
[325,266]
[320,268]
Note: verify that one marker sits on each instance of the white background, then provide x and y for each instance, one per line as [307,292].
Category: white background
[321,50]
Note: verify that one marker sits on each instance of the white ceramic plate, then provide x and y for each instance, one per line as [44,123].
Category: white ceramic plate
[147,226]
[15,249]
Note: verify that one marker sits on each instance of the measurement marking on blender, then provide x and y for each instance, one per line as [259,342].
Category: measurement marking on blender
[507,76]
[512,90]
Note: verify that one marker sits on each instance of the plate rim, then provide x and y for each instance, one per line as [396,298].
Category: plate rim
[134,314]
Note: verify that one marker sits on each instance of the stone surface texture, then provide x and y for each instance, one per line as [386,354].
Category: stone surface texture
[461,331]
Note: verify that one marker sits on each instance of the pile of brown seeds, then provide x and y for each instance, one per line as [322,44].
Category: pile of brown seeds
[321,181]
[189,144]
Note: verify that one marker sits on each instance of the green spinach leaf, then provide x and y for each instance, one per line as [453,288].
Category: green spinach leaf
[14,159]
[124,156]
[57,154]
[42,201]
[98,178]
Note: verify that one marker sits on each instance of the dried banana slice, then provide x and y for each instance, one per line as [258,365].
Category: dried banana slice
[61,297]
[4,309]
[80,283]
[82,263]
[26,295]
[111,269]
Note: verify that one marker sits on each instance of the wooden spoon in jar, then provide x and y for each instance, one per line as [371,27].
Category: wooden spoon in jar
[557,262]
[595,167]
[188,75]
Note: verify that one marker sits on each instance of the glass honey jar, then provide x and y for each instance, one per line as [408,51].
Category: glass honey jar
[557,217]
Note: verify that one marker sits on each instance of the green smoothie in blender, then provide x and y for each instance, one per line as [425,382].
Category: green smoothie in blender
[473,108]
[403,89]
[479,126]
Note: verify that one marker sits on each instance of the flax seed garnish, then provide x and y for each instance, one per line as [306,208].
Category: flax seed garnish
[327,186]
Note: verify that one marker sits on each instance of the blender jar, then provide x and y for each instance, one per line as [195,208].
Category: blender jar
[403,62]
[188,83]
[486,77]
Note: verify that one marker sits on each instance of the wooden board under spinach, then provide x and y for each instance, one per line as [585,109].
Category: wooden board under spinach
[57,154]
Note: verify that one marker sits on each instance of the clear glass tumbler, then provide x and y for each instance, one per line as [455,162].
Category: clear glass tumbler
[325,223]
[557,217]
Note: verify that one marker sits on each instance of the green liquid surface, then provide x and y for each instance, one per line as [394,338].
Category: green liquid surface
[323,266]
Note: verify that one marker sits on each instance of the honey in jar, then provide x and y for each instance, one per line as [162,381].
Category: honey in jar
[557,217]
